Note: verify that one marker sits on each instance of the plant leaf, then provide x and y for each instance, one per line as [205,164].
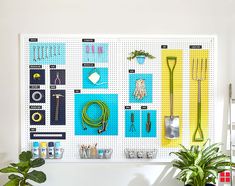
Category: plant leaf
[9,170]
[199,158]
[200,172]
[37,162]
[184,148]
[25,156]
[214,147]
[13,176]
[37,176]
[22,183]
[13,164]
[24,166]
[14,182]
[213,172]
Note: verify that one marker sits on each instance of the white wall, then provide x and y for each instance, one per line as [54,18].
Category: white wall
[114,17]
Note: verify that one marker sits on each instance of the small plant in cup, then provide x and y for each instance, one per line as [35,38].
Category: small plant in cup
[140,56]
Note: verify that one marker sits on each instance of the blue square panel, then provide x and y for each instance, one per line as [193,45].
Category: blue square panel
[94,112]
[47,53]
[151,120]
[95,52]
[132,123]
[89,72]
[139,83]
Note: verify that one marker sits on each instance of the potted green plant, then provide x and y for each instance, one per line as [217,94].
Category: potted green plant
[199,166]
[19,172]
[140,56]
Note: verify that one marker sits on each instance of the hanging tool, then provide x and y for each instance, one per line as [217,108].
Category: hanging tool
[87,52]
[171,122]
[93,51]
[38,54]
[132,127]
[100,50]
[46,52]
[148,123]
[199,70]
[101,121]
[50,51]
[59,50]
[57,97]
[54,50]
[34,54]
[57,80]
[42,52]
[140,89]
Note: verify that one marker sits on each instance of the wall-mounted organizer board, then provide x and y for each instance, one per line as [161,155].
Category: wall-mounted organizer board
[152,105]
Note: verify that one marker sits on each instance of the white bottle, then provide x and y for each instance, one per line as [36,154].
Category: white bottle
[51,150]
[35,150]
[58,151]
[43,151]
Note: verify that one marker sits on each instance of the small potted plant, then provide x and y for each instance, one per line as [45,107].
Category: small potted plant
[19,172]
[199,166]
[140,56]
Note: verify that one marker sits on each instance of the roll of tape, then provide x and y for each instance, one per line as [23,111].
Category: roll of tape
[37,96]
[36,117]
[36,76]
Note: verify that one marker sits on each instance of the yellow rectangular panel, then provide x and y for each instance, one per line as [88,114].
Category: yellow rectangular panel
[177,94]
[198,70]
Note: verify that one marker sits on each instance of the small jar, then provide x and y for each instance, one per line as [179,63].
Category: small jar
[100,153]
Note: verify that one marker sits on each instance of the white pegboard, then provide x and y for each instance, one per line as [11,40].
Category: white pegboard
[118,83]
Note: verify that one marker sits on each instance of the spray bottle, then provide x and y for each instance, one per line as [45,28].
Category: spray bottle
[35,150]
[43,152]
[51,150]
[58,150]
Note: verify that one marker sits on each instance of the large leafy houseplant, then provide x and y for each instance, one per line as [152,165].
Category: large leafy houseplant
[19,172]
[200,166]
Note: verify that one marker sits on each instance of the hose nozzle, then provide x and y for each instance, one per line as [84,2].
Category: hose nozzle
[104,125]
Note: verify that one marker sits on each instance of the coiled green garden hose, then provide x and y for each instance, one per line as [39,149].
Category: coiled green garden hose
[96,123]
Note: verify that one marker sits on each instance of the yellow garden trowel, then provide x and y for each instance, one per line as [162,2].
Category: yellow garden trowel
[171,122]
